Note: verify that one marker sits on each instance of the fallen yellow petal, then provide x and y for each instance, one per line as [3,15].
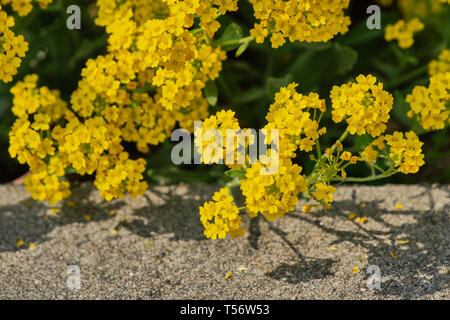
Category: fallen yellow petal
[32,246]
[242,268]
[333,248]
[393,255]
[19,243]
[403,241]
[55,210]
[148,243]
[88,218]
[398,206]
[361,220]
[355,270]
[363,205]
[351,216]
[228,275]
[306,208]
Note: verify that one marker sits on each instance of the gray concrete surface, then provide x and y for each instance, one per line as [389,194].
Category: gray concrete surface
[153,247]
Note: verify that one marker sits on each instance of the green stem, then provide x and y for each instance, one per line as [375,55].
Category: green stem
[334,146]
[237,41]
[406,77]
[366,179]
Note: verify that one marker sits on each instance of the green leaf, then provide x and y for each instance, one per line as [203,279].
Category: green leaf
[232,32]
[242,49]
[313,67]
[345,58]
[235,173]
[211,92]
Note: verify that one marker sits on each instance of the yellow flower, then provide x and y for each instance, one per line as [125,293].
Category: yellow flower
[430,105]
[272,195]
[403,32]
[220,217]
[314,20]
[364,105]
[12,47]
[441,64]
[291,114]
[405,152]
[324,193]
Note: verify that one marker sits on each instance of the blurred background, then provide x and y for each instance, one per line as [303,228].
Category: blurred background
[247,84]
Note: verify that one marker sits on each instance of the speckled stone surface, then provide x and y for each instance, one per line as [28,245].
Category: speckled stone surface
[153,247]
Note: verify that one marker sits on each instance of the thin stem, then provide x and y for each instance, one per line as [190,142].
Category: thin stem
[406,77]
[366,179]
[237,41]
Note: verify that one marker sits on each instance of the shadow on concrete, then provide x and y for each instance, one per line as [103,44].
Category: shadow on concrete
[413,273]
[31,221]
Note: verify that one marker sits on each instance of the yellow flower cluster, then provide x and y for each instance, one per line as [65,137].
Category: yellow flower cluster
[212,136]
[31,142]
[431,105]
[12,48]
[150,79]
[291,113]
[272,195]
[311,21]
[24,7]
[220,217]
[404,150]
[50,139]
[364,105]
[371,152]
[403,31]
[441,64]
[421,8]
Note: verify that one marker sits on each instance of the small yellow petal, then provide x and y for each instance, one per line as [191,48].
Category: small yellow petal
[242,268]
[355,270]
[32,246]
[403,241]
[393,255]
[228,275]
[19,243]
[398,206]
[361,220]
[333,248]
[88,218]
[148,243]
[55,210]
[351,216]
[306,208]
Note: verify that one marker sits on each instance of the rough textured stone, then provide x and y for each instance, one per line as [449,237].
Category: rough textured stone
[159,251]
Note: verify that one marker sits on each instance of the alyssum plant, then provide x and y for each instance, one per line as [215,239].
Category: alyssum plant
[162,58]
